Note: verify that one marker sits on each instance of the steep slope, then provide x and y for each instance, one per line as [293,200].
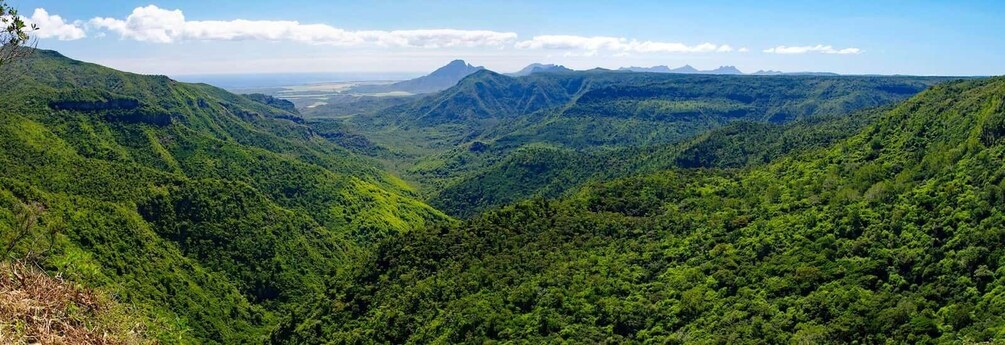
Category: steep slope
[441,79]
[891,236]
[207,210]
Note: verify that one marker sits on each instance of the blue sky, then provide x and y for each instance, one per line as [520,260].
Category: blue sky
[221,37]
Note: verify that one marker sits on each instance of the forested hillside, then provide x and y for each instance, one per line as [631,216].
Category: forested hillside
[209,211]
[891,235]
[451,142]
[547,171]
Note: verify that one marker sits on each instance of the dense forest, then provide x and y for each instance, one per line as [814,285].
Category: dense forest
[539,170]
[575,207]
[890,235]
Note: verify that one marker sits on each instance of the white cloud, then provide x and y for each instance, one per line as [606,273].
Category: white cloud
[616,45]
[148,23]
[439,38]
[153,24]
[743,50]
[50,26]
[812,49]
[570,42]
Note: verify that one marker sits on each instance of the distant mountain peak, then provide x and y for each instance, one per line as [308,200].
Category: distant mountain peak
[684,69]
[725,70]
[441,79]
[537,68]
[457,63]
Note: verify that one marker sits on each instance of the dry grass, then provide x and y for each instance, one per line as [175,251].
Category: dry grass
[38,309]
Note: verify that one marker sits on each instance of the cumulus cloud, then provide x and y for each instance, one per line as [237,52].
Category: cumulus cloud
[593,44]
[154,24]
[824,49]
[53,26]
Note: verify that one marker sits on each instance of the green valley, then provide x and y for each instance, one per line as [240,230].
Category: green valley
[502,172]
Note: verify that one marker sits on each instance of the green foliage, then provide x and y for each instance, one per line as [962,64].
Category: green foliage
[530,171]
[533,171]
[25,235]
[209,211]
[891,235]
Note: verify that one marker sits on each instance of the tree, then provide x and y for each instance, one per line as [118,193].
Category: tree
[37,239]
[15,33]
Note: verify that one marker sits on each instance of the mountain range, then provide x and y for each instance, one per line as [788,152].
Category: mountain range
[448,76]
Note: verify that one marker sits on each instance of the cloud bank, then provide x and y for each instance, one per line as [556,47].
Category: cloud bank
[824,49]
[154,24]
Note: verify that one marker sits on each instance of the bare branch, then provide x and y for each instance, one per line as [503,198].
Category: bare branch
[15,35]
